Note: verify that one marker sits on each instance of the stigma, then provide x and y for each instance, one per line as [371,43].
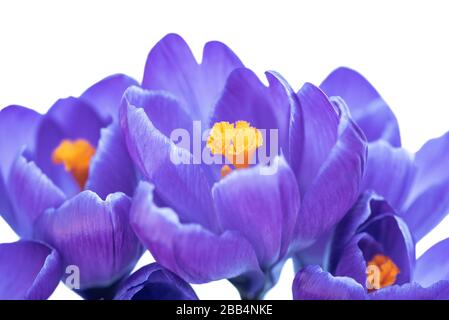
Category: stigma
[381,272]
[76,156]
[237,142]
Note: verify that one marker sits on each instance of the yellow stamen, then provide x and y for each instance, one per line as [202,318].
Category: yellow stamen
[76,156]
[387,272]
[237,143]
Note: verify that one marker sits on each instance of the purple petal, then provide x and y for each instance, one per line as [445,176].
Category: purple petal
[31,193]
[246,98]
[367,107]
[18,127]
[314,133]
[349,225]
[162,108]
[352,262]
[433,265]
[76,119]
[111,169]
[28,270]
[171,66]
[428,202]
[263,208]
[105,95]
[6,210]
[183,186]
[389,172]
[312,283]
[69,118]
[154,282]
[413,291]
[324,204]
[194,253]
[93,235]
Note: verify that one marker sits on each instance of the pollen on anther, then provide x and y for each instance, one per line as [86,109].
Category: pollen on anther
[76,156]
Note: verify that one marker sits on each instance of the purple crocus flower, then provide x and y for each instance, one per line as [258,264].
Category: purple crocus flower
[312,283]
[372,256]
[415,185]
[154,282]
[28,270]
[66,180]
[208,222]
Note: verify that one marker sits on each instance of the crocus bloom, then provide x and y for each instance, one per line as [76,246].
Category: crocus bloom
[66,178]
[415,185]
[153,282]
[208,222]
[373,257]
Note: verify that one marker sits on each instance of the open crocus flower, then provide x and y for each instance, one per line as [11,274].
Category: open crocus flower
[415,185]
[28,270]
[66,179]
[153,282]
[230,219]
[373,257]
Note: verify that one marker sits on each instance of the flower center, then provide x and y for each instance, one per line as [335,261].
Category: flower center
[381,272]
[237,142]
[76,156]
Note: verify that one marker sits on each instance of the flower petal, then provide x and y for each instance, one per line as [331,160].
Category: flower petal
[312,283]
[389,172]
[352,262]
[194,253]
[28,270]
[105,95]
[154,282]
[428,202]
[367,107]
[261,207]
[348,227]
[433,265]
[162,108]
[413,291]
[18,126]
[6,210]
[171,66]
[324,204]
[314,132]
[183,186]
[93,235]
[111,169]
[31,192]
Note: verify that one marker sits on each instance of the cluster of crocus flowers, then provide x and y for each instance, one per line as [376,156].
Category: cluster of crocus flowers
[92,184]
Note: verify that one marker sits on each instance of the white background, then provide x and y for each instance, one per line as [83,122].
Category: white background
[54,49]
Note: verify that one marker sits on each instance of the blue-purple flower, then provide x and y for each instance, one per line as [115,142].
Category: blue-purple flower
[229,221]
[66,180]
[415,185]
[372,256]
